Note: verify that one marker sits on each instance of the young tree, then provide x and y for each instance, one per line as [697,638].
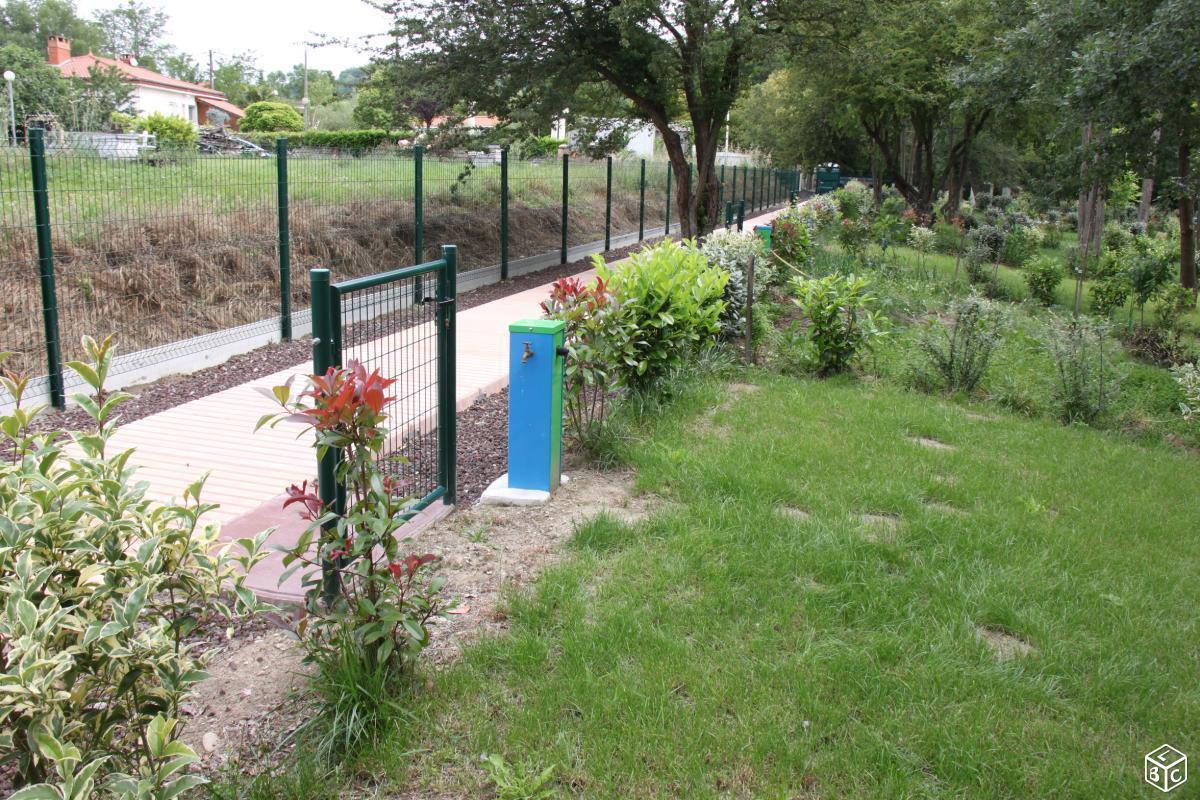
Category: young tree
[916,75]
[28,23]
[1128,72]
[136,29]
[670,58]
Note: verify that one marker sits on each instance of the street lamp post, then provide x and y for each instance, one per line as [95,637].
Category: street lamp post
[9,77]
[304,102]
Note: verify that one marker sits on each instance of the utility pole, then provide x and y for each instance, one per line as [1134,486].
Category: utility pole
[305,95]
[211,85]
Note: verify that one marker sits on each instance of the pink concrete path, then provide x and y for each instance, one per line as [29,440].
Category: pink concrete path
[248,471]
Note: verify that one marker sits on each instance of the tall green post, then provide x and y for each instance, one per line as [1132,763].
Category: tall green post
[566,193]
[285,239]
[608,205]
[41,217]
[324,357]
[642,203]
[721,189]
[754,187]
[447,432]
[667,226]
[745,181]
[418,204]
[504,214]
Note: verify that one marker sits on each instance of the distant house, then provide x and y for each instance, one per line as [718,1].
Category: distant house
[474,122]
[152,92]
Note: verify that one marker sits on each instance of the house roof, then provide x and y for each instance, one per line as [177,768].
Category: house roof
[226,106]
[80,66]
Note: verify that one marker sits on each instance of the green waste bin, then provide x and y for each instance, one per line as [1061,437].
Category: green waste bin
[765,232]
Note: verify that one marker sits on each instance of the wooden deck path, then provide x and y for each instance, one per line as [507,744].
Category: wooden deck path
[249,471]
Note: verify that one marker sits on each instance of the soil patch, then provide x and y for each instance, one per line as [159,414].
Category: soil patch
[932,444]
[881,527]
[1004,645]
[793,512]
[488,548]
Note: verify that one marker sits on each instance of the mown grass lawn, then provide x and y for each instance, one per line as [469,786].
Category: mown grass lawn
[725,649]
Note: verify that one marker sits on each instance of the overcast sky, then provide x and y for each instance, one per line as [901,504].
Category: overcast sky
[275,30]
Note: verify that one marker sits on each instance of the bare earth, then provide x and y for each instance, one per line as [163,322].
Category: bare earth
[254,698]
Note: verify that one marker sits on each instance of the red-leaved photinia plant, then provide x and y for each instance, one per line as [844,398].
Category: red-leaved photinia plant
[598,337]
[385,600]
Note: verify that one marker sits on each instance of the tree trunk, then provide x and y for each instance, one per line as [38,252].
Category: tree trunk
[1147,198]
[673,144]
[1187,232]
[1097,221]
[703,204]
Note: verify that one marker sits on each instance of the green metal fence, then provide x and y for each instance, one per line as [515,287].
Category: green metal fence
[401,323]
[190,257]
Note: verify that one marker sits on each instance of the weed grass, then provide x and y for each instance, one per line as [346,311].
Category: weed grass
[725,649]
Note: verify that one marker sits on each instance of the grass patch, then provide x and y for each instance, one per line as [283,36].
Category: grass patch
[1036,642]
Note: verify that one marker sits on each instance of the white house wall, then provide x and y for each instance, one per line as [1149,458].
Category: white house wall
[152,100]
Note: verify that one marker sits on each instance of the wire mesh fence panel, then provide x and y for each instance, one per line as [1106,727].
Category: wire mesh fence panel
[534,206]
[21,322]
[462,206]
[656,197]
[391,329]
[353,214]
[588,189]
[626,179]
[163,247]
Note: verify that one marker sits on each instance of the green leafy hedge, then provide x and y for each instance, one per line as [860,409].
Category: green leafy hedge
[334,140]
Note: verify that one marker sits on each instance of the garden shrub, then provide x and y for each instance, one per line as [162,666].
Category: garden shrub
[671,297]
[1116,237]
[732,252]
[1174,301]
[843,319]
[822,211]
[1188,378]
[791,247]
[1109,294]
[988,239]
[100,589]
[1043,275]
[854,237]
[169,132]
[957,354]
[269,115]
[1085,381]
[948,238]
[854,200]
[1020,244]
[923,240]
[598,337]
[1149,267]
[373,621]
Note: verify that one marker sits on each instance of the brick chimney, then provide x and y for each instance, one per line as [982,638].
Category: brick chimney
[58,50]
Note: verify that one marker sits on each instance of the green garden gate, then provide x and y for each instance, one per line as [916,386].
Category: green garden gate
[401,323]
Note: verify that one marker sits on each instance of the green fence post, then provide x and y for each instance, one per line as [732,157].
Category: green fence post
[447,430]
[667,226]
[504,214]
[41,216]
[418,204]
[754,191]
[728,214]
[741,215]
[608,206]
[745,181]
[733,189]
[642,203]
[324,358]
[566,191]
[721,188]
[285,240]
